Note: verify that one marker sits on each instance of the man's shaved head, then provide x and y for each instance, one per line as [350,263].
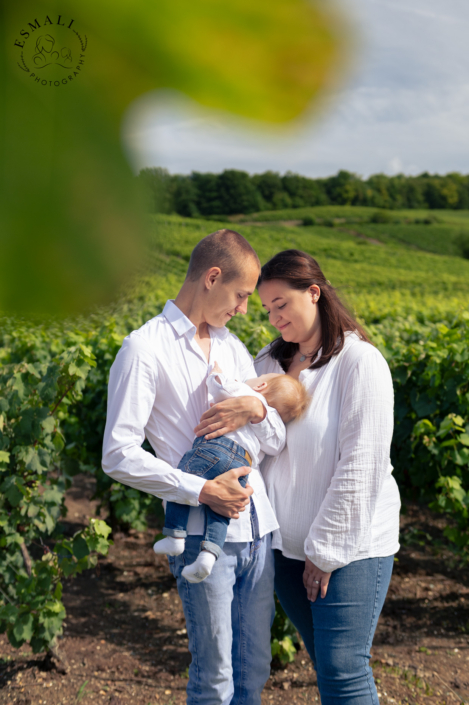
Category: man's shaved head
[225,249]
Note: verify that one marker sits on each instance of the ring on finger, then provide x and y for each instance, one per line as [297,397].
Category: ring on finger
[317,582]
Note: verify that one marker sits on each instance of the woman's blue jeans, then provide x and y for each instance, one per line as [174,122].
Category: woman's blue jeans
[207,459]
[338,630]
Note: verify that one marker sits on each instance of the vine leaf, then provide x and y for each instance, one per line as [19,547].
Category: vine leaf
[72,226]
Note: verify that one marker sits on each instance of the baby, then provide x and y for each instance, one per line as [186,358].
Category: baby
[209,459]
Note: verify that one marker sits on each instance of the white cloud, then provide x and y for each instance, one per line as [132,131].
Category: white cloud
[420,12]
[406,109]
[395,166]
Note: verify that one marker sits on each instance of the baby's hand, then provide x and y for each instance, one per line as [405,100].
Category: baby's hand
[217,369]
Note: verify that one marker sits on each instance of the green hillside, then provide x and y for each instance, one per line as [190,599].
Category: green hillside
[439,231]
[378,278]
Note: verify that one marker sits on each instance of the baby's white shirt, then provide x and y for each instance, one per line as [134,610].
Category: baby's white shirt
[245,436]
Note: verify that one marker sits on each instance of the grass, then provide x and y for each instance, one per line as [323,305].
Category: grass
[437,235]
[384,282]
[377,279]
[349,212]
[460,217]
[439,239]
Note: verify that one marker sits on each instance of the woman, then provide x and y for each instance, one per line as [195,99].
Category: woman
[336,500]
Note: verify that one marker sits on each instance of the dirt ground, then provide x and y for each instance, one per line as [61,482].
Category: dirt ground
[126,644]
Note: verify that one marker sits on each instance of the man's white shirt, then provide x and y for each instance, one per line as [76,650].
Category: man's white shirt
[158,390]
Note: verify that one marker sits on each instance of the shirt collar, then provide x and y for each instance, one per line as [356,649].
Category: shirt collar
[182,325]
[179,321]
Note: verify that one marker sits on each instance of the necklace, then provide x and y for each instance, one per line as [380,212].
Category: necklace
[303,357]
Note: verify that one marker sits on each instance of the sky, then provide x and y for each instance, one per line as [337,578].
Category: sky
[404,107]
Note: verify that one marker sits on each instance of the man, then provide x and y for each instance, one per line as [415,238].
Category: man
[157,390]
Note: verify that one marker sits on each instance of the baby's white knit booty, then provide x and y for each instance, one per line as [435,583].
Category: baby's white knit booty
[170,546]
[200,568]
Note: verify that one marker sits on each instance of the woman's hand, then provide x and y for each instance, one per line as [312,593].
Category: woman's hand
[229,415]
[313,579]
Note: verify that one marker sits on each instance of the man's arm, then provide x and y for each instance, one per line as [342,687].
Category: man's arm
[133,387]
[252,408]
[223,493]
[131,394]
[231,414]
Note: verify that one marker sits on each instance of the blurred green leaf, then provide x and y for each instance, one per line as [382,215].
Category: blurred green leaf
[23,629]
[100,527]
[80,547]
[71,221]
[464,439]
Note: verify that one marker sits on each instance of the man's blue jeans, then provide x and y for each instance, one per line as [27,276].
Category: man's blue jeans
[338,630]
[228,620]
[207,459]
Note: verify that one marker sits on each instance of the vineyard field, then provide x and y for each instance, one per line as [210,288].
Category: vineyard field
[438,231]
[413,303]
[379,279]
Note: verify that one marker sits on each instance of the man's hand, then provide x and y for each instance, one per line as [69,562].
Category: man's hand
[315,579]
[229,415]
[225,495]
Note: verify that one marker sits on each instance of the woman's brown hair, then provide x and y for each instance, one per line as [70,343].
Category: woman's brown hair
[300,271]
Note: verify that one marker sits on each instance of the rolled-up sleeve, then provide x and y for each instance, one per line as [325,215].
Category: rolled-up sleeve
[344,520]
[132,392]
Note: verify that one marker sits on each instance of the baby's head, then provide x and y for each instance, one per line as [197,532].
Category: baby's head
[283,393]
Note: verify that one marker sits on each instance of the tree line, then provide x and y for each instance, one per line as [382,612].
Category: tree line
[234,191]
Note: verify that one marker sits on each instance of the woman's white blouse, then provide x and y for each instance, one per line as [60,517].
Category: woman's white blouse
[332,487]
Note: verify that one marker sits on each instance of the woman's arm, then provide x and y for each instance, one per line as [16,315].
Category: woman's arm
[365,433]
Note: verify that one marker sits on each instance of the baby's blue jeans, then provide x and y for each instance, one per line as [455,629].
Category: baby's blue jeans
[207,459]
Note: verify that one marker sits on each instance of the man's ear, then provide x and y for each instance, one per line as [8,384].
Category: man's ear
[259,387]
[211,275]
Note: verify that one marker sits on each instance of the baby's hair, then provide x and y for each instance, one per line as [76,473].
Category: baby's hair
[288,396]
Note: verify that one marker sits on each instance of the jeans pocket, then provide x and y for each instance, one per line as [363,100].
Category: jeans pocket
[200,461]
